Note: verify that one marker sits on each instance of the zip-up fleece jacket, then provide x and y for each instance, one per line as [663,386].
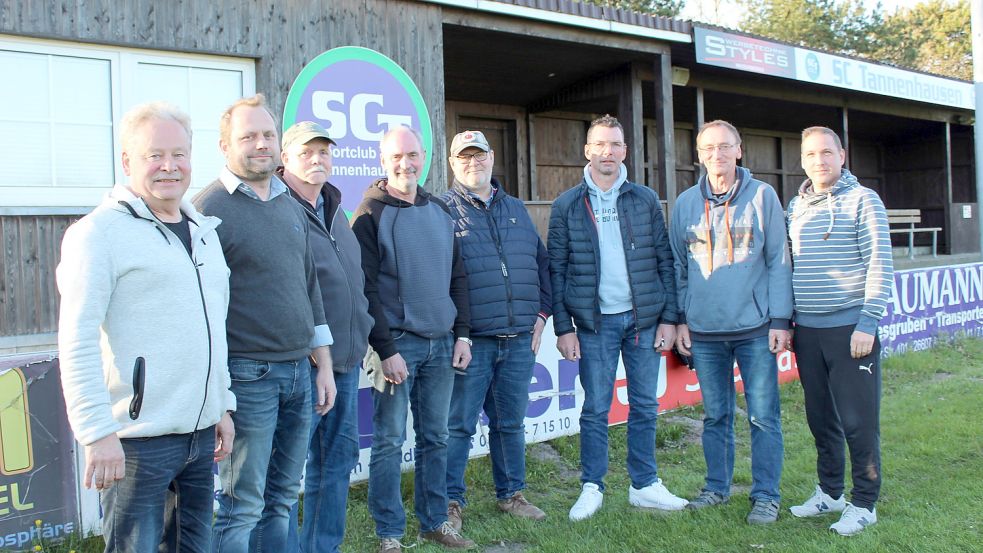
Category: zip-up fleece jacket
[415,279]
[507,264]
[841,253]
[575,263]
[129,289]
[733,275]
[338,260]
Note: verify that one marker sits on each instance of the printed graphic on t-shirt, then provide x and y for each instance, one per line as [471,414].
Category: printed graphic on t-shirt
[605,215]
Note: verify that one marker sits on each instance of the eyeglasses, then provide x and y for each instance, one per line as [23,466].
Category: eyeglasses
[722,148]
[598,147]
[477,156]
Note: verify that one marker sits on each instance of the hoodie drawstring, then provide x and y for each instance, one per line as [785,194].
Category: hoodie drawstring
[709,233]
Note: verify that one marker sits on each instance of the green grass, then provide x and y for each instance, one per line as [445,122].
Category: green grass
[932,455]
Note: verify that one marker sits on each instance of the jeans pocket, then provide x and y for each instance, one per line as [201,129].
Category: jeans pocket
[247,370]
[397,334]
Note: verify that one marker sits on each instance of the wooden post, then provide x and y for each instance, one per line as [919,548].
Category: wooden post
[947,172]
[697,124]
[630,116]
[664,122]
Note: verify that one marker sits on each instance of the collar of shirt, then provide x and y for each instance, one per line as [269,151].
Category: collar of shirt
[482,200]
[231,182]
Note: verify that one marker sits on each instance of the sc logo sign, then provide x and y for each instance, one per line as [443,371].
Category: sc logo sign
[330,106]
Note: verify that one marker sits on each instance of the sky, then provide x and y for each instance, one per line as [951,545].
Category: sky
[729,14]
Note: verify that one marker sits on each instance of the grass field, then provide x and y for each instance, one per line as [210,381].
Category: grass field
[932,454]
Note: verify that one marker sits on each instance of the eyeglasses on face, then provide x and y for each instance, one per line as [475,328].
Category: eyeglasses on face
[598,147]
[477,156]
[722,148]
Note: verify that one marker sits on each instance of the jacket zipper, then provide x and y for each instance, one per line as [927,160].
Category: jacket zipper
[631,240]
[501,260]
[348,281]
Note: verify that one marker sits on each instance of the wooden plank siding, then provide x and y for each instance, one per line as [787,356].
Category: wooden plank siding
[31,251]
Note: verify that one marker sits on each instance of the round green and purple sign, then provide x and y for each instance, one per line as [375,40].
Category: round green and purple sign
[358,94]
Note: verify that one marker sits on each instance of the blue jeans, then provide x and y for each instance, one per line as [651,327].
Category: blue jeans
[261,477]
[714,362]
[598,367]
[498,379]
[332,455]
[427,391]
[165,500]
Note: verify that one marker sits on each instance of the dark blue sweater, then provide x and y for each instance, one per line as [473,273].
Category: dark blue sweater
[506,262]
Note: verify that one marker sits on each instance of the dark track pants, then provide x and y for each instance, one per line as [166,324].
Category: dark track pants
[843,399]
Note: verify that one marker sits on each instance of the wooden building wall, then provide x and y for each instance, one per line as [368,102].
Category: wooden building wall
[281,36]
[28,295]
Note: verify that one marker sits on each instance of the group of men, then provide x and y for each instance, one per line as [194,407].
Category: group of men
[233,329]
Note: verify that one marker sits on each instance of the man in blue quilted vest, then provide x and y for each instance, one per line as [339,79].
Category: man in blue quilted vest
[614,294]
[509,290]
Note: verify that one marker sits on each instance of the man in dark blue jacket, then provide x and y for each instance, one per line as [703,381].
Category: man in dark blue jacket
[509,291]
[612,277]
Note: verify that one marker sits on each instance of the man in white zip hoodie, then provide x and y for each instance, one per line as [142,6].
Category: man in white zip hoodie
[842,275]
[141,339]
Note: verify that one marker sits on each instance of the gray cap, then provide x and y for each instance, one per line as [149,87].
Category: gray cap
[469,139]
[303,132]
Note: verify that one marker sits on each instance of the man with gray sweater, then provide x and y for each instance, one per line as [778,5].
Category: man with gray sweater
[841,248]
[735,295]
[417,288]
[276,318]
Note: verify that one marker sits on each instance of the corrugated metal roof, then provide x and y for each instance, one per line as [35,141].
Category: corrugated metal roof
[617,15]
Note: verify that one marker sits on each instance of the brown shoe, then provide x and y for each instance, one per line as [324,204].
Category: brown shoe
[519,506]
[447,536]
[455,516]
[390,545]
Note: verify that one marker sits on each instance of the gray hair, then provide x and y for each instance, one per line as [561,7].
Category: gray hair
[142,113]
[718,123]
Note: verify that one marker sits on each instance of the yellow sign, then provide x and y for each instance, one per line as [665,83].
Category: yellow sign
[16,453]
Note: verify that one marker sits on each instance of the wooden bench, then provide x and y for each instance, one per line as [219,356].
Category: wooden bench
[912,217]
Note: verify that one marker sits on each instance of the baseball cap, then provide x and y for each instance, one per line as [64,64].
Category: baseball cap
[303,132]
[469,139]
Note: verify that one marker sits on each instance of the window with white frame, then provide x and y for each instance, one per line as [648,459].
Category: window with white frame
[61,106]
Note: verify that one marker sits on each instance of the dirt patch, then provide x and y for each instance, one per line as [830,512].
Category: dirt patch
[941,376]
[506,547]
[543,451]
[693,427]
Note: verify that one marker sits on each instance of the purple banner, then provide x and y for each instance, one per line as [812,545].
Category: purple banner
[930,303]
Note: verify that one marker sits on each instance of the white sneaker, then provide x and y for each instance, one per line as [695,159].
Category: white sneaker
[819,504]
[853,520]
[589,502]
[655,496]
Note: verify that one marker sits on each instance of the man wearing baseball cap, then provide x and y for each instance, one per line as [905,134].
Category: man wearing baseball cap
[333,452]
[509,291]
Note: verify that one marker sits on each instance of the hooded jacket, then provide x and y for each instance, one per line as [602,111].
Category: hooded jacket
[507,263]
[841,253]
[415,279]
[733,276]
[575,259]
[129,289]
[338,260]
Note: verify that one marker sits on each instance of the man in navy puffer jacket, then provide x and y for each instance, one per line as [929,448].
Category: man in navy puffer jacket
[509,289]
[613,293]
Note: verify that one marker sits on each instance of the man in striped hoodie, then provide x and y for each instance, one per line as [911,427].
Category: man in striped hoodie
[841,278]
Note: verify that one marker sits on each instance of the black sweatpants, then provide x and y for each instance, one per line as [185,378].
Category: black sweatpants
[843,403]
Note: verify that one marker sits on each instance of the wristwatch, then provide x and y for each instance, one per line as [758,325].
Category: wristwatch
[465,340]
